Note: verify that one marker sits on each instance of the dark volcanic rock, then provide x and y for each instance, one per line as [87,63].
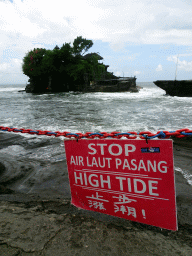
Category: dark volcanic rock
[33,165]
[182,88]
[37,166]
[38,219]
[107,85]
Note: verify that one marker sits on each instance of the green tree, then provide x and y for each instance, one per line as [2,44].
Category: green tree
[81,45]
[94,68]
[32,62]
[65,68]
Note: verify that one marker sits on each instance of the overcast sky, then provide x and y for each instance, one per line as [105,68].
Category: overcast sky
[144,38]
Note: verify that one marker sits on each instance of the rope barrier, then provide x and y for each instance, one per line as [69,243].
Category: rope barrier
[102,135]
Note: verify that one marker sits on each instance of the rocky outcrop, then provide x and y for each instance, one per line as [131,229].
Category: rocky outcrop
[181,88]
[38,219]
[127,84]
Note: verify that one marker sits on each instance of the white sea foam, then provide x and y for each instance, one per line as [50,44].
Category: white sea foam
[148,110]
[12,89]
[186,174]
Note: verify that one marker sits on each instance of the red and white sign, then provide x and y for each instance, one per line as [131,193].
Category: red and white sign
[129,179]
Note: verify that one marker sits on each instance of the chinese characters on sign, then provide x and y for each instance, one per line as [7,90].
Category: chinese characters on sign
[125,178]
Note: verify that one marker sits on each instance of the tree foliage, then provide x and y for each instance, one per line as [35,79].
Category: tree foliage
[32,62]
[64,68]
[81,44]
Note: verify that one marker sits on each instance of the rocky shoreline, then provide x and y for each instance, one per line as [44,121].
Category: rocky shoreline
[36,217]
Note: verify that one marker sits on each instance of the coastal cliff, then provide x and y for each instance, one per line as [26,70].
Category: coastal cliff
[181,88]
[115,85]
[127,84]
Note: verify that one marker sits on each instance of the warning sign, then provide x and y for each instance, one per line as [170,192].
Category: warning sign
[129,179]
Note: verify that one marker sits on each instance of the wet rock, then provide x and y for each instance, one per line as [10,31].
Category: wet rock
[38,218]
[4,190]
[32,229]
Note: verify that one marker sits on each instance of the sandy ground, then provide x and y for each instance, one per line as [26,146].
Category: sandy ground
[39,219]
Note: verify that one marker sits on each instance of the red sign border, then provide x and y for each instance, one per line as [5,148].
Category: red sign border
[73,201]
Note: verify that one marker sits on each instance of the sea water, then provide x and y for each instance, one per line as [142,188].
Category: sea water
[148,110]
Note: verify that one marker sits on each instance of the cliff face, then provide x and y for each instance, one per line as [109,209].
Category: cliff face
[115,85]
[105,85]
[181,88]
[48,84]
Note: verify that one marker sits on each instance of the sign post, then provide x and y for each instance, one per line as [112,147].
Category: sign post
[129,179]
